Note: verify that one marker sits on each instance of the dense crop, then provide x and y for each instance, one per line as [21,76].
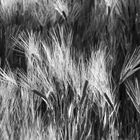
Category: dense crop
[69,69]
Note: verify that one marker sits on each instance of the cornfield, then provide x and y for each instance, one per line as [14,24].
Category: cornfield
[69,70]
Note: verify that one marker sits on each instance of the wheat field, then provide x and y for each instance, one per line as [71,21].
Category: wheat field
[69,70]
